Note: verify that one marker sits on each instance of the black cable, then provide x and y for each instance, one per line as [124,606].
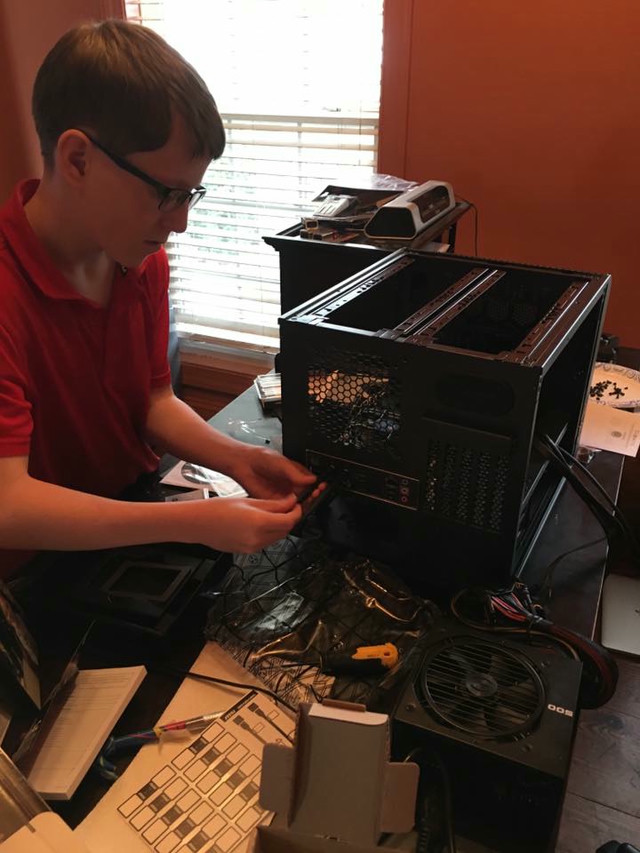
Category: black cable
[526,631]
[179,673]
[475,219]
[260,713]
[565,462]
[624,523]
[572,460]
[434,821]
[448,804]
[511,605]
[609,521]
[546,585]
[572,468]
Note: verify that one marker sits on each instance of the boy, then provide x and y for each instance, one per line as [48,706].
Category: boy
[127,129]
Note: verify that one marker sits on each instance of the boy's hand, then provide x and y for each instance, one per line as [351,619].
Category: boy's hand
[242,525]
[267,474]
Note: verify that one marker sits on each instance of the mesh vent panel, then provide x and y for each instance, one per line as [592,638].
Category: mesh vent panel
[465,485]
[354,401]
[481,688]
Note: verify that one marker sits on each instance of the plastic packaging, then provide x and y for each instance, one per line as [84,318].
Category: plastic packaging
[280,612]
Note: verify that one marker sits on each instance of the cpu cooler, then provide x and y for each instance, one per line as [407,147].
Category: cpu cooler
[499,716]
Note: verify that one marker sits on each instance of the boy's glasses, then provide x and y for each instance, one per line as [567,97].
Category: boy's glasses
[171,198]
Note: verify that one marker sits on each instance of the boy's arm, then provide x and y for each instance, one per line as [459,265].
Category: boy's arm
[35,515]
[176,428]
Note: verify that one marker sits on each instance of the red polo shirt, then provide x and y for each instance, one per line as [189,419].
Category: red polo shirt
[75,378]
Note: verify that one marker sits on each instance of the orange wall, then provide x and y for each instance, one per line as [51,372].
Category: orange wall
[532,111]
[23,46]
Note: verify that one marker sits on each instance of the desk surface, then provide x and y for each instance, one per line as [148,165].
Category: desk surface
[575,600]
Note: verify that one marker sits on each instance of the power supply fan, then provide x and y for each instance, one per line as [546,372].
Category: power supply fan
[481,688]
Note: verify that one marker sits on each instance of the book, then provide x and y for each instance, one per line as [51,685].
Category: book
[78,727]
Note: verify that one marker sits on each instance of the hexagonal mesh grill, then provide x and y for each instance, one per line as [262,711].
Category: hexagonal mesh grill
[465,485]
[354,400]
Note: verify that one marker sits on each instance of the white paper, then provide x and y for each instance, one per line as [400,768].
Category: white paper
[124,820]
[45,833]
[186,475]
[606,428]
[348,715]
[91,710]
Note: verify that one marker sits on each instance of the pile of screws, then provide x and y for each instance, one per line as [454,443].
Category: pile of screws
[601,388]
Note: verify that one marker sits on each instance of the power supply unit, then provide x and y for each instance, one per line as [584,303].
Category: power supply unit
[500,718]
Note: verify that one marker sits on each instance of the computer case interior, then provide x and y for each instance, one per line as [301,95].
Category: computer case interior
[418,387]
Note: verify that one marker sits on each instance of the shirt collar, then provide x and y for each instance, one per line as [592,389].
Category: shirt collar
[29,251]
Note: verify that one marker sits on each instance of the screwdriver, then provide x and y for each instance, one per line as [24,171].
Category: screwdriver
[365,661]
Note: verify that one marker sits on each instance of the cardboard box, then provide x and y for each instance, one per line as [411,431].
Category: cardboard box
[335,789]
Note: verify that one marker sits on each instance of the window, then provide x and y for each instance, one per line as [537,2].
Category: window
[298,87]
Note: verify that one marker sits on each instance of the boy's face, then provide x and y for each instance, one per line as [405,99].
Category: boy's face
[122,210]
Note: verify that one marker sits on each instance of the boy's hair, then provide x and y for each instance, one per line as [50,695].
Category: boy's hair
[124,83]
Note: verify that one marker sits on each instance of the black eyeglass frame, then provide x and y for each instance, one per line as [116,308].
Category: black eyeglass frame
[171,198]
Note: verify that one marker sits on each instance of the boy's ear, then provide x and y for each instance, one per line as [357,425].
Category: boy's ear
[72,155]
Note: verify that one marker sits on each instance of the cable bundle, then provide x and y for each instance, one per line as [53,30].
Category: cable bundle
[592,493]
[435,831]
[513,611]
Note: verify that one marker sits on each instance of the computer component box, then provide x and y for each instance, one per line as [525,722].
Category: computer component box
[417,387]
[333,790]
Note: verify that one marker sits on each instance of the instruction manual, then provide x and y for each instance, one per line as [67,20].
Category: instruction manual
[607,428]
[80,728]
[195,793]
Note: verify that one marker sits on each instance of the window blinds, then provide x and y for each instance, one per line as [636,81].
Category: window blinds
[298,87]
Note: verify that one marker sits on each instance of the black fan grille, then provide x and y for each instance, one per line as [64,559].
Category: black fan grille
[483,689]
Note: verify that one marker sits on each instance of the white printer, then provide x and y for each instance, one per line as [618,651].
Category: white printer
[410,213]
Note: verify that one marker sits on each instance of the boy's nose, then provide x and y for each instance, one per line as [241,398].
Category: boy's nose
[176,220]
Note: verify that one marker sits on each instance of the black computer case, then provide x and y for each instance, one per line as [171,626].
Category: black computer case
[418,387]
